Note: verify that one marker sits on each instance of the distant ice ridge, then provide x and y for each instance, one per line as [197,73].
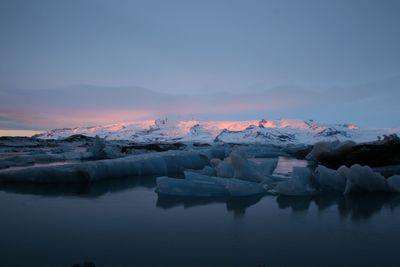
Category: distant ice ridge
[278,132]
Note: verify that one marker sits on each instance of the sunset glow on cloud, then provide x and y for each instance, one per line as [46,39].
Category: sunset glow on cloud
[86,105]
[264,59]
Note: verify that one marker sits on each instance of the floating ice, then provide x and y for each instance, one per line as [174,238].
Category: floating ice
[198,185]
[207,170]
[265,166]
[343,147]
[237,166]
[394,183]
[244,170]
[225,168]
[297,150]
[328,153]
[363,179]
[318,149]
[261,151]
[201,178]
[238,187]
[298,185]
[329,180]
[214,152]
[215,162]
[158,163]
[388,171]
[193,188]
[97,148]
[344,171]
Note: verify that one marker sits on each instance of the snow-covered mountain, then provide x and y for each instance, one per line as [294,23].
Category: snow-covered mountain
[277,132]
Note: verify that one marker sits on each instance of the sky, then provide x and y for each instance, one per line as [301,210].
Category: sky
[75,63]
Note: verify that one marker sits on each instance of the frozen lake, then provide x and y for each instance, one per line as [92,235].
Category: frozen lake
[125,223]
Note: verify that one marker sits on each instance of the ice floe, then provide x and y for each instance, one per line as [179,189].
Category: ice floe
[363,179]
[158,163]
[225,168]
[300,184]
[329,180]
[198,185]
[394,183]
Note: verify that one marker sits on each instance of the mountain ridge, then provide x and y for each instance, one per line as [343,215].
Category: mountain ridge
[279,132]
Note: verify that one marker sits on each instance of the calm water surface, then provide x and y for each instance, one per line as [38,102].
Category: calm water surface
[125,223]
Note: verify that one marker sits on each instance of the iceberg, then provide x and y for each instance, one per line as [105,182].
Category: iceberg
[207,170]
[319,149]
[265,166]
[299,151]
[201,178]
[254,170]
[343,147]
[329,180]
[394,183]
[215,162]
[363,179]
[192,188]
[240,188]
[198,185]
[298,185]
[244,170]
[330,149]
[388,171]
[225,168]
[261,151]
[150,164]
[214,152]
[344,171]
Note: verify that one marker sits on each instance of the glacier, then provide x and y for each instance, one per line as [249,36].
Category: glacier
[278,132]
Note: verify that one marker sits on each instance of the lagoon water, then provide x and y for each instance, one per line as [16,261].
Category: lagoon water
[125,223]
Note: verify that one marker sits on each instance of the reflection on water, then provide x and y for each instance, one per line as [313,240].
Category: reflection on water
[355,207]
[80,190]
[237,205]
[125,223]
[285,166]
[35,165]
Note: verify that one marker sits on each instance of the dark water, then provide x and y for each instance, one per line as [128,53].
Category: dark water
[125,223]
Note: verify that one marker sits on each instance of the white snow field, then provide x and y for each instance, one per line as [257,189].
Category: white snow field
[278,132]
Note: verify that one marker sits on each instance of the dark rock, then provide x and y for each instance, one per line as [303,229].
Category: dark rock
[98,148]
[153,147]
[329,132]
[298,151]
[201,144]
[78,137]
[375,154]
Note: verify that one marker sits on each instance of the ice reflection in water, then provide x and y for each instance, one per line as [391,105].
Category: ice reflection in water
[125,223]
[286,165]
[56,163]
